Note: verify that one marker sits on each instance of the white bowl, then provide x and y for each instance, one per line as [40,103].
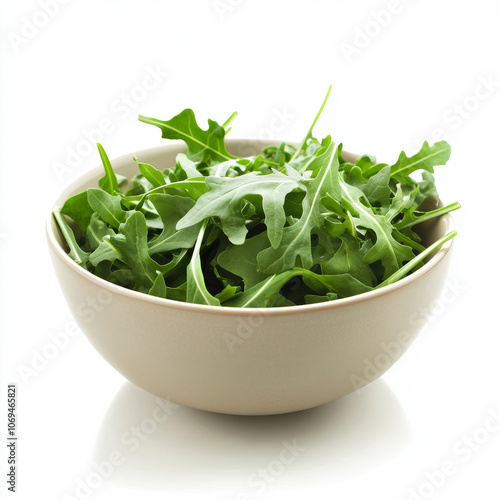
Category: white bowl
[246,361]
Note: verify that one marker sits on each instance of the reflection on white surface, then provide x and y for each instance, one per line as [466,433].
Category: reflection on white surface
[174,448]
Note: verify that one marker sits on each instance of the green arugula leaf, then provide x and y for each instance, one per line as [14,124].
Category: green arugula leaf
[404,270]
[227,293]
[171,209]
[241,260]
[159,289]
[316,299]
[385,248]
[186,166]
[197,291]
[104,252]
[77,207]
[349,260]
[132,248]
[202,145]
[75,252]
[296,240]
[177,293]
[109,182]
[194,188]
[426,159]
[377,188]
[260,294]
[107,206]
[401,201]
[226,200]
[153,175]
[426,188]
[96,231]
[411,218]
[343,285]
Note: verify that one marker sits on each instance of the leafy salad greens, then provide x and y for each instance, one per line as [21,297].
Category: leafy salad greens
[292,225]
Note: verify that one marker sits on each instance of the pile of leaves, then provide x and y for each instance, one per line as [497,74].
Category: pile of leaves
[293,225]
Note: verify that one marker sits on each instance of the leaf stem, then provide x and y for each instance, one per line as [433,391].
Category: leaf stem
[408,241]
[195,272]
[75,252]
[430,215]
[229,120]
[177,184]
[400,273]
[110,181]
[309,132]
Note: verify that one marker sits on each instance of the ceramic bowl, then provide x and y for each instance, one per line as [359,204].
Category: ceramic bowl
[246,361]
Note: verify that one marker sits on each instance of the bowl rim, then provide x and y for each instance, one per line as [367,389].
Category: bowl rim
[211,309]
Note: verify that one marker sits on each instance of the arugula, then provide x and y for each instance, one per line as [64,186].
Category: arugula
[426,159]
[196,287]
[289,226]
[202,145]
[227,197]
[109,183]
[296,242]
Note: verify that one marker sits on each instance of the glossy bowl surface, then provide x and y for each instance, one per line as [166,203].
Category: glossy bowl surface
[246,361]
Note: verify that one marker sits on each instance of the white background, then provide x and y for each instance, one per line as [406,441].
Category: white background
[419,73]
